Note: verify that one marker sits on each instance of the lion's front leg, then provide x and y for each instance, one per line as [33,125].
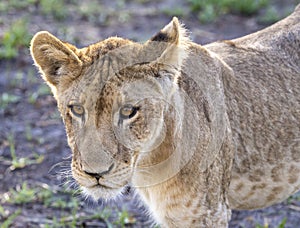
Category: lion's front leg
[194,197]
[186,206]
[200,217]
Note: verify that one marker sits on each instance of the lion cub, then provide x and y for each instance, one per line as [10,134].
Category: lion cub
[198,130]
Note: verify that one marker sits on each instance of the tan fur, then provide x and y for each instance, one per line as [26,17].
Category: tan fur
[214,127]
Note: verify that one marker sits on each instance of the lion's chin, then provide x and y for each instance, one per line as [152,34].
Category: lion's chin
[100,192]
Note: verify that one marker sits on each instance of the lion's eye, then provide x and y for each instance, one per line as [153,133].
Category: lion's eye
[128,111]
[77,110]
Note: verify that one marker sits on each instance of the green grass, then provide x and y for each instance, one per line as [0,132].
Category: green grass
[28,132]
[209,10]
[63,200]
[270,16]
[41,91]
[15,38]
[124,218]
[22,195]
[54,8]
[7,98]
[246,7]
[10,219]
[74,220]
[208,14]
[293,198]
[8,5]
[175,11]
[90,11]
[15,81]
[281,225]
[19,163]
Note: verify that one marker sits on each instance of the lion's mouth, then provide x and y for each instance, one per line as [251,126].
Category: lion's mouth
[106,186]
[98,191]
[102,186]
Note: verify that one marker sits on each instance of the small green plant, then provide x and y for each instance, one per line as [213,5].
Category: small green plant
[28,132]
[75,219]
[271,15]
[45,196]
[261,226]
[176,11]
[2,211]
[42,90]
[16,80]
[208,14]
[9,220]
[19,163]
[55,8]
[282,223]
[124,218]
[209,10]
[90,11]
[62,203]
[15,4]
[104,215]
[15,38]
[6,99]
[23,194]
[295,197]
[63,200]
[31,76]
[246,7]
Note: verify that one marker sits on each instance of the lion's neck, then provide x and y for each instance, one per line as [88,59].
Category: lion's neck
[163,162]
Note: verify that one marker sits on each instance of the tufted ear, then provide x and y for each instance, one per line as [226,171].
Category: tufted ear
[56,60]
[175,49]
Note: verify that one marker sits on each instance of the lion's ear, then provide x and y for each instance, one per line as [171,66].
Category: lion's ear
[175,38]
[55,59]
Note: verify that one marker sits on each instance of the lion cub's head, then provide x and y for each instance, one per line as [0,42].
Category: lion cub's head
[114,97]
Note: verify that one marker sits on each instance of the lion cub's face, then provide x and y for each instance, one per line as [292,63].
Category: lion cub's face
[113,97]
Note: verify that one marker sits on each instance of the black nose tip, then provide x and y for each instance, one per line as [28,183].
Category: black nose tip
[101,174]
[96,175]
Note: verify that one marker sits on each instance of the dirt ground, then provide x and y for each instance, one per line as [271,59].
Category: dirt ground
[33,146]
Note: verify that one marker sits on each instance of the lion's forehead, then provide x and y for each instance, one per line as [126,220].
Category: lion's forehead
[107,81]
[104,47]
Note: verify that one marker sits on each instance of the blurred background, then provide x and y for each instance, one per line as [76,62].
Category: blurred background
[36,189]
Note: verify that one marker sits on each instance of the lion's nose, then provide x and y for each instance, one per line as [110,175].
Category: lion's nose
[101,174]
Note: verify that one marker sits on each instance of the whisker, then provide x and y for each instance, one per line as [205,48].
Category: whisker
[59,164]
